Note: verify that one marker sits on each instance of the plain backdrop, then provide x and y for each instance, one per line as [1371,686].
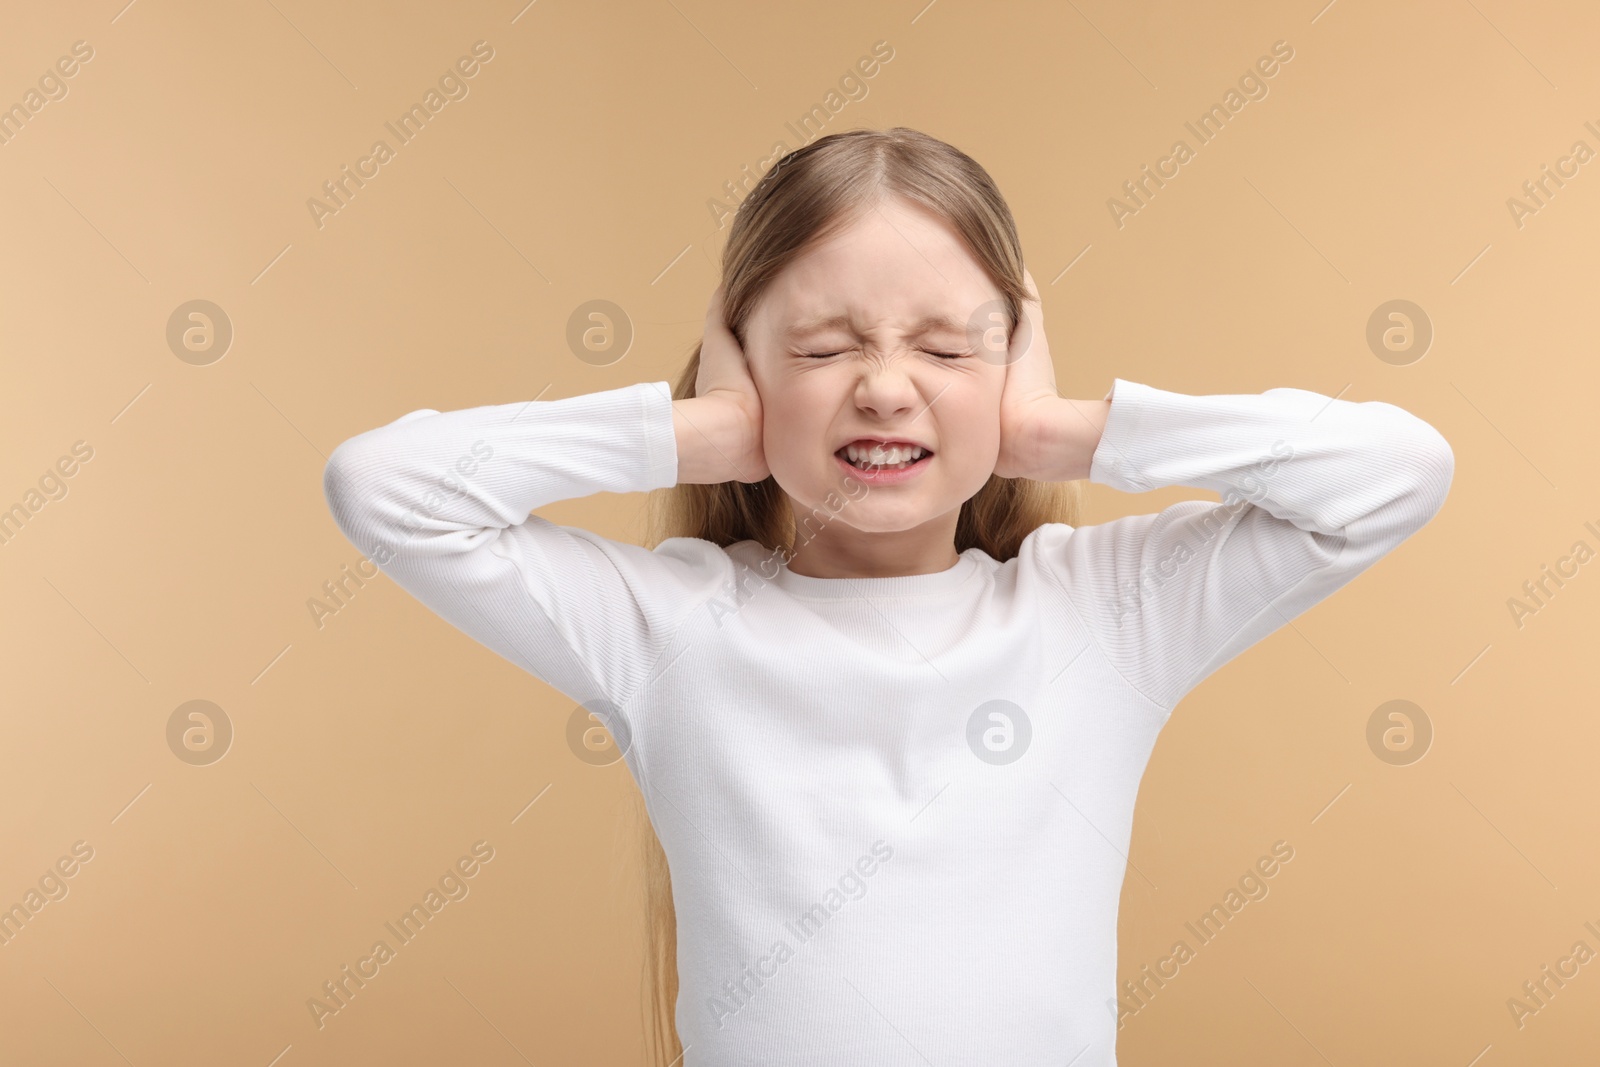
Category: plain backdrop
[374,745]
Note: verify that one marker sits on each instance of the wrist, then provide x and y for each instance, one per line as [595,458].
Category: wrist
[712,438]
[1066,435]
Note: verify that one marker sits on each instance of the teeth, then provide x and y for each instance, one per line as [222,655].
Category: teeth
[878,455]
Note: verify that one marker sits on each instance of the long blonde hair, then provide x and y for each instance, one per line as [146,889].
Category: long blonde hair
[808,195]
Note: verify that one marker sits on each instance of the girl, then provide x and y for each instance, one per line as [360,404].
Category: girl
[887,704]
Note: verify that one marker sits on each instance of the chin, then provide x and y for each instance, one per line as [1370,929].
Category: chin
[871,514]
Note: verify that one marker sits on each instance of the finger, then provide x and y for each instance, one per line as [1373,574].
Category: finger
[714,306]
[1023,335]
[722,362]
[1031,366]
[1027,280]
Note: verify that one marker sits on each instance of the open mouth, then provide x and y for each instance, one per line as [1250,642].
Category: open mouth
[877,456]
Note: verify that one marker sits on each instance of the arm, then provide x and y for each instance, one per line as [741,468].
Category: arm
[441,501]
[1315,490]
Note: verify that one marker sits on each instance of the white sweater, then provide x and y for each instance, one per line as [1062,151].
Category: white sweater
[873,862]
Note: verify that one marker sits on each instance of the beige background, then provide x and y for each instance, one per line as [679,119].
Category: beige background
[373,751]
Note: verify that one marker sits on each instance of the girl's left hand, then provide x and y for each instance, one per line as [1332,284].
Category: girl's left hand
[1029,401]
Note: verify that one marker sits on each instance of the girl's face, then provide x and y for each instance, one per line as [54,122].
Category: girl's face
[864,339]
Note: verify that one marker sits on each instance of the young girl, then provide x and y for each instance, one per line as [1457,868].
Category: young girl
[887,704]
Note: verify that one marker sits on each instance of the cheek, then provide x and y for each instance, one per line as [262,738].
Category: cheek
[971,439]
[794,427]
[786,438]
[973,426]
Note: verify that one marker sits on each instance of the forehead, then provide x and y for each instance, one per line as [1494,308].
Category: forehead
[894,266]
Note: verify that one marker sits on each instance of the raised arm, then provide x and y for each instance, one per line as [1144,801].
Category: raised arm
[441,502]
[1314,491]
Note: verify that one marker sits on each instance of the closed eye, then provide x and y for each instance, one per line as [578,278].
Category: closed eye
[941,355]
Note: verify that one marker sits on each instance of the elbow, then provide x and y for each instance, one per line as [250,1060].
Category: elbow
[341,489]
[1418,462]
[335,482]
[1410,473]
[360,485]
[1436,469]
[356,462]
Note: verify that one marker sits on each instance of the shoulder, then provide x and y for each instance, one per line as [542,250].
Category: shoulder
[694,552]
[697,560]
[677,570]
[1046,548]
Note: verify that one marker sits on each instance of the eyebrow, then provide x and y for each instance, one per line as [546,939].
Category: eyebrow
[818,324]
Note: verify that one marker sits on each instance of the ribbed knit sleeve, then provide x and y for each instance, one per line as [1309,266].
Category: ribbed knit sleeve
[441,502]
[1314,491]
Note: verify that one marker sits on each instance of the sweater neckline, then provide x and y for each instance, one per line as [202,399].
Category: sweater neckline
[897,586]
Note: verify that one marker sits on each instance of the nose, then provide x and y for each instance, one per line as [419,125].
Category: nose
[885,388]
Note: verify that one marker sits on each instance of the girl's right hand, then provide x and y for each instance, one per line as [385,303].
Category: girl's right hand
[719,430]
